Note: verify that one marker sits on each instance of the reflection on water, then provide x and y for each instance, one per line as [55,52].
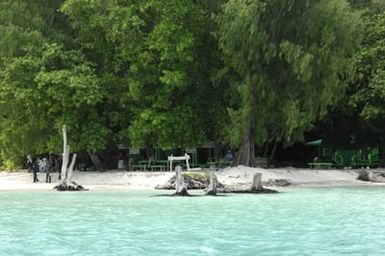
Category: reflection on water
[299,221]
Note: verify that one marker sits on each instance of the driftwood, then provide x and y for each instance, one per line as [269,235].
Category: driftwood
[256,187]
[209,183]
[180,186]
[67,171]
[366,175]
[278,182]
[193,180]
[72,186]
[212,189]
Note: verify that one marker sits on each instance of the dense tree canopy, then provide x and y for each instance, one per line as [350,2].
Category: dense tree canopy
[289,57]
[180,73]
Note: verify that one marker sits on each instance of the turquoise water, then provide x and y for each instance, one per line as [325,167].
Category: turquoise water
[299,221]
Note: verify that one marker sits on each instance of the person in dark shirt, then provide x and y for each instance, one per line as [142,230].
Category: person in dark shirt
[229,157]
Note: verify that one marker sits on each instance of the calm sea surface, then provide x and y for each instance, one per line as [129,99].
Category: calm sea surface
[298,221]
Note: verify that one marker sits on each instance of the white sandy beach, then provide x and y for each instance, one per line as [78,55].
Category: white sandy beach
[235,177]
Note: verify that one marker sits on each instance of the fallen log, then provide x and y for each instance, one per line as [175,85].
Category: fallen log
[72,186]
[365,175]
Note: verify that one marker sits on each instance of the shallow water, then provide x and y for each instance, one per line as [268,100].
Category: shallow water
[299,221]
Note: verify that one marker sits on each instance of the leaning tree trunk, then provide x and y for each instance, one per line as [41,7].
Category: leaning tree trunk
[96,161]
[70,171]
[66,152]
[245,155]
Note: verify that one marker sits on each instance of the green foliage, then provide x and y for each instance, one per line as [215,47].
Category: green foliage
[289,57]
[366,92]
[152,73]
[44,90]
[113,71]
[9,165]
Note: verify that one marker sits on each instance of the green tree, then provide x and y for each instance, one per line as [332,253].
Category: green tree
[24,27]
[159,53]
[45,82]
[40,92]
[366,94]
[289,57]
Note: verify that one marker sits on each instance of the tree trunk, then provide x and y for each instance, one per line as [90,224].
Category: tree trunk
[150,154]
[180,186]
[245,154]
[257,183]
[66,153]
[266,150]
[217,152]
[96,161]
[212,189]
[70,169]
[271,157]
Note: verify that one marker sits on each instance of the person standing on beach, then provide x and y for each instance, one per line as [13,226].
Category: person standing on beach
[35,169]
[229,157]
[47,168]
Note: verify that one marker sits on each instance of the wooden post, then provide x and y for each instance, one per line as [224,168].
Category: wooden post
[257,182]
[171,164]
[187,158]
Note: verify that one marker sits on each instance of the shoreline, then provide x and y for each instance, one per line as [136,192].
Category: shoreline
[240,177]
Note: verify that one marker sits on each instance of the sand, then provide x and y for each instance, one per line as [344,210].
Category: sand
[236,177]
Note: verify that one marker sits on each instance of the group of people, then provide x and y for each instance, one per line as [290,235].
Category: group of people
[43,165]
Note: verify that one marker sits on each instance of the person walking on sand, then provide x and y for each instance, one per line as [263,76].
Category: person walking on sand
[35,169]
